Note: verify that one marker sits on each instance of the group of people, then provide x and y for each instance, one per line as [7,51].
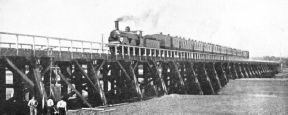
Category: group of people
[61,106]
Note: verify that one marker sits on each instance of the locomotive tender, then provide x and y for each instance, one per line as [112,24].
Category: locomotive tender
[135,38]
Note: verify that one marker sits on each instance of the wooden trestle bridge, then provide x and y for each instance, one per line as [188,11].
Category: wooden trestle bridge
[58,67]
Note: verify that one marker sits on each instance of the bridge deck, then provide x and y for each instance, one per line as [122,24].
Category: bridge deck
[62,49]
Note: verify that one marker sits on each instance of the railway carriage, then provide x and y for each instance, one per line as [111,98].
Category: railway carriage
[207,48]
[175,43]
[229,51]
[234,52]
[239,53]
[223,50]
[245,54]
[135,38]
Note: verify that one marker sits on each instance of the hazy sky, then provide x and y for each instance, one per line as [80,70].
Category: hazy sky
[260,26]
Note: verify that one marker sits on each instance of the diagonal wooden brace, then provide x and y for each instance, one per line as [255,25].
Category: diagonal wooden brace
[95,75]
[40,83]
[98,88]
[46,70]
[73,88]
[20,72]
[176,70]
[134,81]
[124,71]
[135,65]
[159,75]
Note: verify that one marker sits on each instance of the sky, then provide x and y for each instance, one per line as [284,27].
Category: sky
[259,26]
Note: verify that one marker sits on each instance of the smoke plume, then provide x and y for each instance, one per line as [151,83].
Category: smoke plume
[150,17]
[127,18]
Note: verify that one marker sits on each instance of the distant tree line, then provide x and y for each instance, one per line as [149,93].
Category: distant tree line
[283,60]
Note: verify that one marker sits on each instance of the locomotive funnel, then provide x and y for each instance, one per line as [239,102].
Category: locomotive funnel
[117,25]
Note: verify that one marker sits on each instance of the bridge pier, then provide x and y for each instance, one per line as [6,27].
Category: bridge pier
[157,77]
[243,70]
[190,79]
[239,70]
[66,69]
[172,78]
[256,71]
[221,73]
[250,72]
[234,70]
[204,79]
[211,72]
[227,69]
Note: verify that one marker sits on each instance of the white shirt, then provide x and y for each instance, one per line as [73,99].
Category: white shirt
[32,103]
[62,104]
[50,103]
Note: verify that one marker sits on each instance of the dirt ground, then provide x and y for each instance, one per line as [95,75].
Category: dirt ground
[241,96]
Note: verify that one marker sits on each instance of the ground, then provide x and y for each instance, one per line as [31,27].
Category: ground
[241,96]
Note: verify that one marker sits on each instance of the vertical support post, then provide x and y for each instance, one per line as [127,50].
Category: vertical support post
[33,46]
[78,79]
[145,52]
[128,48]
[60,54]
[17,42]
[66,70]
[115,90]
[91,49]
[82,49]
[71,48]
[105,77]
[48,46]
[102,45]
[134,54]
[2,81]
[122,50]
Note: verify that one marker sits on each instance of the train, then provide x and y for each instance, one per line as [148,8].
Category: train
[135,38]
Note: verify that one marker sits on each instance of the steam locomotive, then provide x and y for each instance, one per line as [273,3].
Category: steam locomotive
[135,38]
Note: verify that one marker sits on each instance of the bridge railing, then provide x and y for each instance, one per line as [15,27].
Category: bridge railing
[45,43]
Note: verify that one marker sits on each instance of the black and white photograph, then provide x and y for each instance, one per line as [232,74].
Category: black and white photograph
[143,57]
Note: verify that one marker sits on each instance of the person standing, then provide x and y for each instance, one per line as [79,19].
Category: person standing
[62,107]
[33,106]
[50,104]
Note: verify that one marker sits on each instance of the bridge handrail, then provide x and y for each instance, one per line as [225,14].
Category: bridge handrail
[162,52]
